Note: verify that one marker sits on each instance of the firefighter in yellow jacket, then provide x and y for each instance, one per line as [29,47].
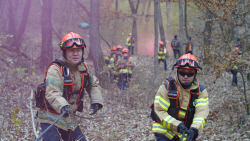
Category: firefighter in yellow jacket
[113,63]
[162,55]
[60,99]
[181,104]
[125,65]
[109,61]
[130,43]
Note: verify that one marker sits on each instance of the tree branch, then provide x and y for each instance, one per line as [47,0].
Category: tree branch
[137,5]
[105,41]
[131,4]
[6,63]
[54,30]
[83,7]
[31,111]
[149,3]
[185,9]
[87,11]
[14,50]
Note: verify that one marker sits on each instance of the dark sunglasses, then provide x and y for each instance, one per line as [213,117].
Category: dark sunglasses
[189,74]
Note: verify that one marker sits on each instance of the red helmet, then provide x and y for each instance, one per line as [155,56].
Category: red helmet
[161,43]
[130,34]
[72,40]
[119,47]
[187,61]
[125,50]
[113,48]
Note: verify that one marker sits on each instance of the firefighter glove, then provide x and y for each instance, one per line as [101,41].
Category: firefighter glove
[95,107]
[190,135]
[66,110]
[182,128]
[195,132]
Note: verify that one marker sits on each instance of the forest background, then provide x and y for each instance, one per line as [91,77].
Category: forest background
[31,31]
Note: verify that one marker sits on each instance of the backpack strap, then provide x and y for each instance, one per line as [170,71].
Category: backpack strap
[85,76]
[194,94]
[67,78]
[84,83]
[174,97]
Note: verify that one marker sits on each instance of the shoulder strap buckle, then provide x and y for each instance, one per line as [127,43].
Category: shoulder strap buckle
[65,71]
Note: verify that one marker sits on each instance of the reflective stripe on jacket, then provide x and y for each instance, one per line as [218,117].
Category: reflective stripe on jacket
[162,54]
[124,65]
[168,125]
[54,92]
[129,43]
[108,58]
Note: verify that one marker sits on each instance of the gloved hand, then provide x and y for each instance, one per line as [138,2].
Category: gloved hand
[190,135]
[182,128]
[195,132]
[65,109]
[95,107]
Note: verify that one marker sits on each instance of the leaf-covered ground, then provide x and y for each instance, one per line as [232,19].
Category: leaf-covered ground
[129,118]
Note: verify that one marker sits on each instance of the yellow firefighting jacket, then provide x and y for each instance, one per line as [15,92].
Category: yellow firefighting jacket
[130,41]
[235,60]
[113,63]
[162,53]
[107,59]
[54,92]
[125,64]
[168,125]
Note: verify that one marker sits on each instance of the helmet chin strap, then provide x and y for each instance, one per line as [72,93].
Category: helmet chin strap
[186,85]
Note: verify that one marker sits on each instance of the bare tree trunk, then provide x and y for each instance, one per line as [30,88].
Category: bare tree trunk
[71,14]
[115,26]
[186,28]
[2,5]
[149,3]
[88,13]
[134,29]
[47,50]
[236,27]
[134,35]
[95,46]
[156,25]
[22,26]
[4,17]
[12,23]
[208,30]
[181,25]
[168,20]
[161,26]
[246,31]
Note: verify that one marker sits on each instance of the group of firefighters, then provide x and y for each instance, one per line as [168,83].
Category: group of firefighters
[120,65]
[180,106]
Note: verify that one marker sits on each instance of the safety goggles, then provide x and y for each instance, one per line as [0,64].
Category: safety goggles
[188,74]
[187,63]
[73,42]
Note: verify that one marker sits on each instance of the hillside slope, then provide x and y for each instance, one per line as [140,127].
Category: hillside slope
[129,118]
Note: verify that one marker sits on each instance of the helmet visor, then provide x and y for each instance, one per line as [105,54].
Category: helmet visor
[187,63]
[73,42]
